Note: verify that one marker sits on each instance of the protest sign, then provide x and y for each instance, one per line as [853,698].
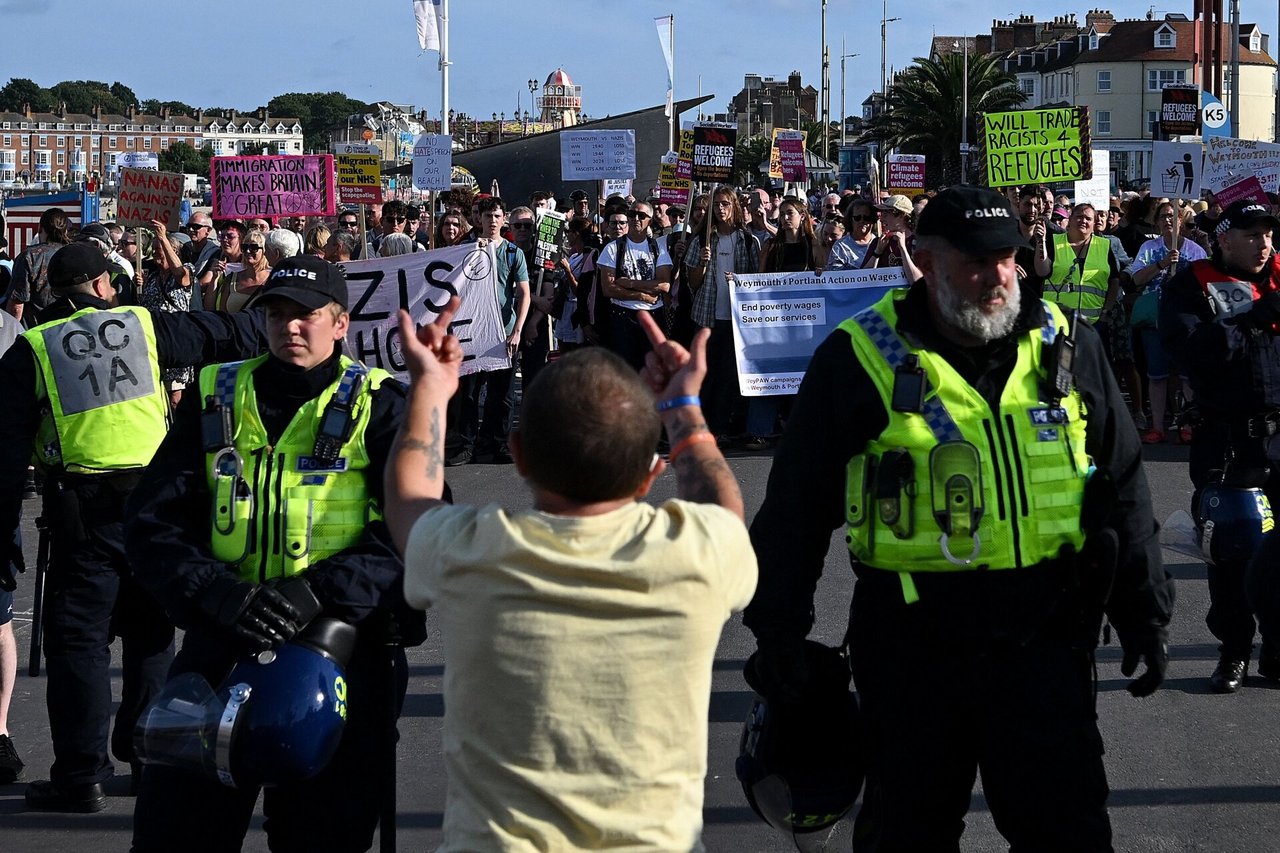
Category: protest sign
[138,160]
[1228,161]
[432,161]
[1096,190]
[906,174]
[713,147]
[421,283]
[1037,146]
[549,233]
[1176,169]
[672,189]
[1250,188]
[145,195]
[1179,111]
[780,318]
[359,173]
[272,185]
[594,155]
[615,186]
[786,155]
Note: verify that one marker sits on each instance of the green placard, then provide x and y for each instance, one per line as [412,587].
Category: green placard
[1037,146]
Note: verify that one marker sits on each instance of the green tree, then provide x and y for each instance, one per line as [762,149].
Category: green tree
[749,153]
[124,94]
[318,112]
[181,157]
[20,90]
[152,106]
[924,112]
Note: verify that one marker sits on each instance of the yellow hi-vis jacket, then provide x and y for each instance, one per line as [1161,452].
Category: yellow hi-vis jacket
[1083,289]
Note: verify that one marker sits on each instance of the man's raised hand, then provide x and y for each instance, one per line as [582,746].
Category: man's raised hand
[670,370]
[430,352]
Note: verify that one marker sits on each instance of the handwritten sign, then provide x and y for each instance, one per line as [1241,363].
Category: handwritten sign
[1097,190]
[280,185]
[138,160]
[1037,146]
[906,174]
[615,186]
[1228,161]
[713,148]
[432,162]
[594,155]
[359,173]
[146,195]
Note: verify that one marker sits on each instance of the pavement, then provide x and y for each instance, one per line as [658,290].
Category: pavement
[1189,770]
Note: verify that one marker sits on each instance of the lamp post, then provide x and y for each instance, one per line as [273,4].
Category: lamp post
[533,88]
[964,119]
[843,114]
[884,79]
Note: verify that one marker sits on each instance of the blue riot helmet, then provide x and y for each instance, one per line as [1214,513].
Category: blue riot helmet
[277,718]
[1232,517]
[800,763]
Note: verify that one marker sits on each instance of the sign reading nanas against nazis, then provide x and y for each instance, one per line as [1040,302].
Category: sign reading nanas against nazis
[288,185]
[1037,146]
[713,146]
[145,195]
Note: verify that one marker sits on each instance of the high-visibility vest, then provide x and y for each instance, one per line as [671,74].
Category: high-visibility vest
[1082,289]
[107,408]
[975,488]
[277,508]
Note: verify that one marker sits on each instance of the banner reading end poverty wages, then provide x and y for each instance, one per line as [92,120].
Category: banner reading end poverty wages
[780,318]
[422,283]
[1037,146]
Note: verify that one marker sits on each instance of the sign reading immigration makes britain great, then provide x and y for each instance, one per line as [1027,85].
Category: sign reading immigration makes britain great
[1037,146]
[283,185]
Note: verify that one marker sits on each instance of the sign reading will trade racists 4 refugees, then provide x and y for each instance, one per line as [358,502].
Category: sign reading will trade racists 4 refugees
[1037,146]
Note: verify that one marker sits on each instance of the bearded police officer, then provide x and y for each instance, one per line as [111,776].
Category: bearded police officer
[1219,318]
[261,511]
[84,390]
[977,449]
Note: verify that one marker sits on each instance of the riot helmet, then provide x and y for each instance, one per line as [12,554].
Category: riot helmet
[1232,516]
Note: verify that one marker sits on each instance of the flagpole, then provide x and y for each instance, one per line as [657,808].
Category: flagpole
[444,66]
[671,113]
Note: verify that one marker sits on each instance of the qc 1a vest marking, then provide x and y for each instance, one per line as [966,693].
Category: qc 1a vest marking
[1230,296]
[1073,287]
[975,488]
[99,371]
[277,509]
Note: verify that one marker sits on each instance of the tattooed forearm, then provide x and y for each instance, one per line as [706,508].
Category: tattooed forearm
[679,431]
[706,479]
[431,450]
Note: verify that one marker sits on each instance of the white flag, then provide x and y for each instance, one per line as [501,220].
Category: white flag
[665,25]
[427,15]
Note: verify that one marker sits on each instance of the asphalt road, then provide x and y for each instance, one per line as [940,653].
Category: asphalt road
[1189,770]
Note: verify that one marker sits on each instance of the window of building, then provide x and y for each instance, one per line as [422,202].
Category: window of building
[1165,37]
[44,140]
[297,146]
[128,142]
[8,140]
[79,143]
[164,142]
[1226,79]
[146,142]
[1157,78]
[1027,85]
[111,142]
[1104,81]
[1048,87]
[26,157]
[62,158]
[62,126]
[7,126]
[1103,123]
[1153,122]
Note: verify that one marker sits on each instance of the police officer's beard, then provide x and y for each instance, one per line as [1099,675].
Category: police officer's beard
[968,317]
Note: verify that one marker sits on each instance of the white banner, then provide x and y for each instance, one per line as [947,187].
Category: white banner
[666,27]
[138,160]
[426,14]
[422,283]
[1228,161]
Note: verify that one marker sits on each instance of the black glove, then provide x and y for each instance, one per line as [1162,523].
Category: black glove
[779,669]
[1265,313]
[1152,645]
[9,562]
[259,615]
[299,593]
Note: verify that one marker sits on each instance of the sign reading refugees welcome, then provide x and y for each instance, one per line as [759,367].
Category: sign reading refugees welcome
[1037,146]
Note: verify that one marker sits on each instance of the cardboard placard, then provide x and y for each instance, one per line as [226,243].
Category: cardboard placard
[432,162]
[272,185]
[906,174]
[594,155]
[1228,161]
[714,143]
[145,195]
[1037,146]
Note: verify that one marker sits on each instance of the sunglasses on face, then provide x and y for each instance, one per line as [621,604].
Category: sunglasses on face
[871,218]
[251,248]
[522,225]
[351,224]
[636,214]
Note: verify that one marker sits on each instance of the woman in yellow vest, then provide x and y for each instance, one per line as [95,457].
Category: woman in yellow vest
[1085,275]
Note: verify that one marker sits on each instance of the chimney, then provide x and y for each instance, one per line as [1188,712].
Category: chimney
[793,81]
[97,112]
[1098,16]
[62,109]
[200,116]
[132,114]
[262,113]
[165,112]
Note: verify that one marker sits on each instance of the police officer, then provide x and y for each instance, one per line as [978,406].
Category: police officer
[986,516]
[84,389]
[1219,318]
[287,451]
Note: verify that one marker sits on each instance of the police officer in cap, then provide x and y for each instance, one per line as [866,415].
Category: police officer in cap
[84,390]
[973,442]
[261,511]
[1219,317]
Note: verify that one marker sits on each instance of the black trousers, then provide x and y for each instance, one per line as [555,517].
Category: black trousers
[90,599]
[477,426]
[946,695]
[723,404]
[337,810]
[626,337]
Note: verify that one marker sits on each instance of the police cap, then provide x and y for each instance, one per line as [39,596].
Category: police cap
[973,219]
[310,281]
[74,264]
[1245,214]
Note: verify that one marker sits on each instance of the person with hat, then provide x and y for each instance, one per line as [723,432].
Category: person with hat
[84,389]
[1220,319]
[893,247]
[990,524]
[287,449]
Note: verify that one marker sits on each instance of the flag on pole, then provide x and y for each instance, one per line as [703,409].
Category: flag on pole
[664,25]
[427,15]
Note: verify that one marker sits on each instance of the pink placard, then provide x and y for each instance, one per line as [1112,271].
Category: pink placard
[791,152]
[280,185]
[1250,188]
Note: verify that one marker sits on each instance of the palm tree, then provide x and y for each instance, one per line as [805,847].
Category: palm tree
[925,106]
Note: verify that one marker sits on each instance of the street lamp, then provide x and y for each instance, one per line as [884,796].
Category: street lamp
[964,119]
[843,114]
[533,88]
[884,79]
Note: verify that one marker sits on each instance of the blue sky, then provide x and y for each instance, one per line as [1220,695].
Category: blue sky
[241,54]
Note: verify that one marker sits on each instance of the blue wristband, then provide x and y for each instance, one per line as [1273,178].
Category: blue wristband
[677,402]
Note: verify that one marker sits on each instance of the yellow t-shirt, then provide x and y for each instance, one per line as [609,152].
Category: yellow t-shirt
[578,655]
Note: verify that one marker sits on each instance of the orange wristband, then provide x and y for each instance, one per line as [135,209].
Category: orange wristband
[689,441]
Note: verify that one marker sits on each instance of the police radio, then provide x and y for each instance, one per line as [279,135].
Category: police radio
[1061,362]
[216,430]
[336,424]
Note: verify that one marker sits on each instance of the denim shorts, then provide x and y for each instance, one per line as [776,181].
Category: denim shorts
[6,607]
